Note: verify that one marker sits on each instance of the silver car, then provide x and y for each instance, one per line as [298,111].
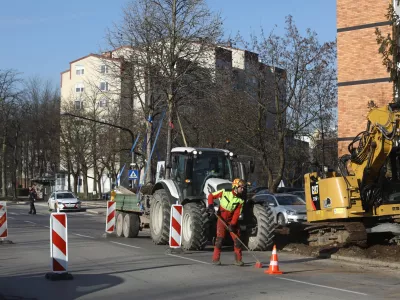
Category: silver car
[287,208]
[64,200]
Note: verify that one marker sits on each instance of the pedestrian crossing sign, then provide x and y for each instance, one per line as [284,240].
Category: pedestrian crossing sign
[133,174]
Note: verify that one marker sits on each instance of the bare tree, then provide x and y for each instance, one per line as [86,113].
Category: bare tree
[10,92]
[278,96]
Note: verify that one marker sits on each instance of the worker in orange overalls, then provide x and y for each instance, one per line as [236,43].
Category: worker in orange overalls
[229,210]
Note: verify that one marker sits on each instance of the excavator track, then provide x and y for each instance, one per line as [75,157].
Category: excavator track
[343,233]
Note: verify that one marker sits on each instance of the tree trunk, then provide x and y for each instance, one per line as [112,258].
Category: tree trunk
[148,152]
[169,137]
[85,183]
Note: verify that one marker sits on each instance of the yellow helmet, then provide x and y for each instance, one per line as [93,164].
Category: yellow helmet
[237,182]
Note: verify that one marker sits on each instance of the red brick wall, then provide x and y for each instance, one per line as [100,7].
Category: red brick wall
[358,59]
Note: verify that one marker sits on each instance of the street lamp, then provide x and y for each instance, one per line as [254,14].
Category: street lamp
[105,123]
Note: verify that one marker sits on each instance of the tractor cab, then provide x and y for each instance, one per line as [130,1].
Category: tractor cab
[193,167]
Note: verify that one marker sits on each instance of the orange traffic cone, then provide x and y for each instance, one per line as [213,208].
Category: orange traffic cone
[273,265]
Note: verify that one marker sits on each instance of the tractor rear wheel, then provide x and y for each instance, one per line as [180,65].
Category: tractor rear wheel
[261,236]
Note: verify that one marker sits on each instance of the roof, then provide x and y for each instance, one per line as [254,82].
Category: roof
[191,149]
[94,55]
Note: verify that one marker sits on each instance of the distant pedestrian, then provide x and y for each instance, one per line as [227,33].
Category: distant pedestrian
[32,199]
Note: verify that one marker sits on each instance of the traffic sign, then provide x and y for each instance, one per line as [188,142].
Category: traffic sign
[133,174]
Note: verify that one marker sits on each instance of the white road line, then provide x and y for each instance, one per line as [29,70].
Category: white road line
[323,286]
[47,227]
[203,262]
[86,236]
[11,218]
[13,213]
[30,222]
[126,245]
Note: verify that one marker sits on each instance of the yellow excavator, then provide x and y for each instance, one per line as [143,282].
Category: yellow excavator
[365,192]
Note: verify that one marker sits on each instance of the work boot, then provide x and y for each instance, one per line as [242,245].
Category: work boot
[216,262]
[239,263]
[30,212]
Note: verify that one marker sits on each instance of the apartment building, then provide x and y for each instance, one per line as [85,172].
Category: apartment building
[361,75]
[93,82]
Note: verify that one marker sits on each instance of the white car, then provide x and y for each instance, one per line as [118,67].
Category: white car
[64,200]
[287,208]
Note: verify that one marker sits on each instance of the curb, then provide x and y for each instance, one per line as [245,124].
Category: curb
[96,212]
[365,261]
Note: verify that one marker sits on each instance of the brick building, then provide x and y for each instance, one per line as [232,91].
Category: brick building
[361,74]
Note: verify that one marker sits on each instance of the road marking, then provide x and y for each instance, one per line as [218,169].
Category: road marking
[126,245]
[86,236]
[47,227]
[30,222]
[202,262]
[13,213]
[11,218]
[323,286]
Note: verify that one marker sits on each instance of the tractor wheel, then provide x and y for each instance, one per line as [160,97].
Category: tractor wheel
[261,237]
[160,212]
[194,226]
[131,225]
[119,224]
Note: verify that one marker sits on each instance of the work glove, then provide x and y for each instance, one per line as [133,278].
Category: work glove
[232,228]
[210,208]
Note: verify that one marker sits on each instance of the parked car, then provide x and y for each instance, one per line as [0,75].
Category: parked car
[300,194]
[64,200]
[287,208]
[255,190]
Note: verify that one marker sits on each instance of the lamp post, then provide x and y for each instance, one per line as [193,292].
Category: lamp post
[105,123]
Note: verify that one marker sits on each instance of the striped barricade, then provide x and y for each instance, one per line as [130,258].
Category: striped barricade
[59,247]
[3,220]
[175,231]
[110,221]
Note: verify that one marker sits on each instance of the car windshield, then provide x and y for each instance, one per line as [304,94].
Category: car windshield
[64,196]
[289,200]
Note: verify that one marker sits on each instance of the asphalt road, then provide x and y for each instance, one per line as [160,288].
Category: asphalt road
[107,267]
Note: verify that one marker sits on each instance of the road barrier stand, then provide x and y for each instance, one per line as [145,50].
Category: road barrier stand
[3,223]
[59,247]
[175,229]
[110,219]
[273,265]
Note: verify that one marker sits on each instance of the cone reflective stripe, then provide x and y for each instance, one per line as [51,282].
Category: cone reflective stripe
[273,265]
[110,221]
[59,242]
[175,229]
[3,220]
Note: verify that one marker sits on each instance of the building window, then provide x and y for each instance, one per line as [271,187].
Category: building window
[79,70]
[104,86]
[79,88]
[103,103]
[78,104]
[104,69]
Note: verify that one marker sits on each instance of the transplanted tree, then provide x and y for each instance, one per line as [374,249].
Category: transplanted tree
[284,86]
[171,51]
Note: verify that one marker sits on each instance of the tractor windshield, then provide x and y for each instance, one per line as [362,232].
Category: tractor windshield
[210,165]
[191,172]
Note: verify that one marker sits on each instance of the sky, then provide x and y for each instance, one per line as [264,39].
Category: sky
[39,38]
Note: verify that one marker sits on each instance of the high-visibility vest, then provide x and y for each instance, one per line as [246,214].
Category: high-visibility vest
[228,200]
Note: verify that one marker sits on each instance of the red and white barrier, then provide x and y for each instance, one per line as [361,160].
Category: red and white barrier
[175,231]
[59,242]
[110,221]
[3,220]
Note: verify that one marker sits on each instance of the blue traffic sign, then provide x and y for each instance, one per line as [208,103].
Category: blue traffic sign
[133,174]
